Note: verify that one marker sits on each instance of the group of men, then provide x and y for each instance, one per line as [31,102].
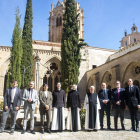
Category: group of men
[128,98]
[121,98]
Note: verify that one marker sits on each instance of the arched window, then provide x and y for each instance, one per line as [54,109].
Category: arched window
[135,40]
[126,43]
[58,21]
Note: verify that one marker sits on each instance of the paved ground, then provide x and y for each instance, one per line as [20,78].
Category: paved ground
[81,135]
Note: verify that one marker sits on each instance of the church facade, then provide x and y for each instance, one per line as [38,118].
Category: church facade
[97,64]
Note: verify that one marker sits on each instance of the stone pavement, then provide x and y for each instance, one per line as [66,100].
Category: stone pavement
[81,135]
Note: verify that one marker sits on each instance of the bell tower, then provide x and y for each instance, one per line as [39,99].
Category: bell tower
[134,28]
[56,22]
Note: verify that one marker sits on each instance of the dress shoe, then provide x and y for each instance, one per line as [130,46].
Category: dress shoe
[109,128]
[48,131]
[32,131]
[116,129]
[23,131]
[95,130]
[123,128]
[101,128]
[60,131]
[54,131]
[131,129]
[12,132]
[137,130]
[42,131]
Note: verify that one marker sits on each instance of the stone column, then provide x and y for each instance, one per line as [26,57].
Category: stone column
[52,83]
[113,70]
[37,82]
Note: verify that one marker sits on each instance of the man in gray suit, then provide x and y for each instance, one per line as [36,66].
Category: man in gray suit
[45,97]
[30,96]
[12,101]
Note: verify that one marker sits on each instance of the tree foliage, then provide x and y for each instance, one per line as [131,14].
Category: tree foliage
[16,53]
[27,57]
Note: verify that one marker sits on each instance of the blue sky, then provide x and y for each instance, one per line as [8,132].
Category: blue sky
[105,20]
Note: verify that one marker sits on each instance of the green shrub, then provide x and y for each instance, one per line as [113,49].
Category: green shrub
[82,115]
[1,105]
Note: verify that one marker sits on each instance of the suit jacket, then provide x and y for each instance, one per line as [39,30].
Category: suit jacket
[26,97]
[101,97]
[45,101]
[133,97]
[17,98]
[58,98]
[114,97]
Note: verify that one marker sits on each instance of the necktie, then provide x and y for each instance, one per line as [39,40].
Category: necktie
[30,94]
[105,95]
[130,89]
[118,94]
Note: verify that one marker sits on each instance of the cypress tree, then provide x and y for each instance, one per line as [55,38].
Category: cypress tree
[27,58]
[70,47]
[16,53]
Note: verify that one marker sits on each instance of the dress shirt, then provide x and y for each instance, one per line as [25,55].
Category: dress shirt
[130,88]
[46,93]
[13,91]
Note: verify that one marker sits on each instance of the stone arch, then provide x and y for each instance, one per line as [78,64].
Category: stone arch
[132,71]
[53,64]
[43,70]
[107,77]
[89,83]
[3,76]
[4,67]
[58,13]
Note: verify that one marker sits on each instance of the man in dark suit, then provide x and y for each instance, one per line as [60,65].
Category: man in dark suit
[46,99]
[104,97]
[12,101]
[133,103]
[118,97]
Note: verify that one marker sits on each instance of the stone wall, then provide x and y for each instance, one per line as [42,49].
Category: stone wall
[50,52]
[121,68]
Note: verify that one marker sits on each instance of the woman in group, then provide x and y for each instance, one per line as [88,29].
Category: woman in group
[91,106]
[45,98]
[73,105]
